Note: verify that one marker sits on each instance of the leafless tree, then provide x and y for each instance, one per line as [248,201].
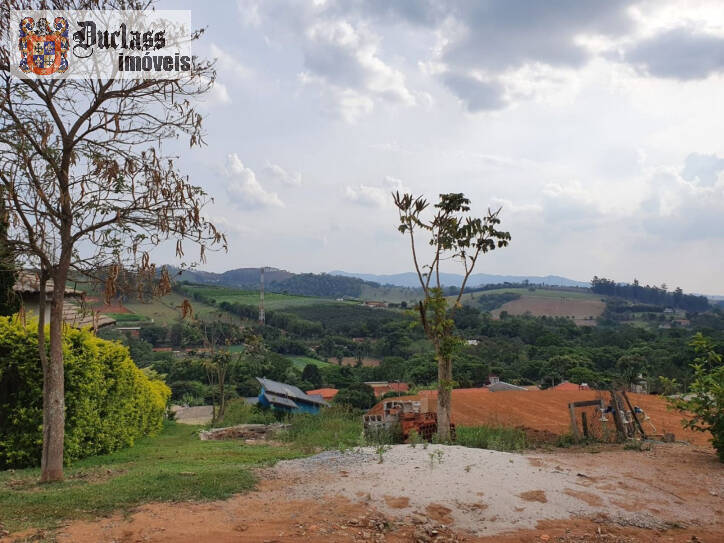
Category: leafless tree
[90,188]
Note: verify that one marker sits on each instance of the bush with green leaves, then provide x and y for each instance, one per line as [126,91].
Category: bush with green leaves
[109,401]
[356,395]
[705,401]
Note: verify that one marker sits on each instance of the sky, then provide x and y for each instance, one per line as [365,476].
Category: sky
[596,126]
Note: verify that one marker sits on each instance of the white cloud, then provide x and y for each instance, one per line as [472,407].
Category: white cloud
[367,195]
[244,189]
[227,64]
[229,226]
[346,56]
[375,196]
[218,95]
[280,175]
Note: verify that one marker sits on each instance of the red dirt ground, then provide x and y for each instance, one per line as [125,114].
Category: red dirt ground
[547,410]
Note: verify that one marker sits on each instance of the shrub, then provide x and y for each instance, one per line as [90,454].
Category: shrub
[356,395]
[109,401]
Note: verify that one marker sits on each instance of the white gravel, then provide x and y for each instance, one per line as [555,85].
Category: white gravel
[484,490]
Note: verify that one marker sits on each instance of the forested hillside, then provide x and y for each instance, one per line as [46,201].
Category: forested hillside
[275,280]
[653,295]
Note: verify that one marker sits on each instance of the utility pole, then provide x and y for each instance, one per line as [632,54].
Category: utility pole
[262,317]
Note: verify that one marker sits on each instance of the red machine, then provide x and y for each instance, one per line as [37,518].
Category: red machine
[408,415]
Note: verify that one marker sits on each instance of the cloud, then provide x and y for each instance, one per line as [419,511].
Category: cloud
[227,64]
[367,195]
[344,59]
[476,94]
[683,211]
[280,175]
[375,196]
[703,169]
[229,226]
[342,56]
[218,95]
[679,53]
[243,188]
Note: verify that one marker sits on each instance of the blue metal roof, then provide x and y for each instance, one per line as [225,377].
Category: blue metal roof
[280,400]
[288,391]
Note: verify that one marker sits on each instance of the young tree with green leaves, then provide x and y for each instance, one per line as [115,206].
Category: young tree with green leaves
[706,394]
[90,187]
[453,235]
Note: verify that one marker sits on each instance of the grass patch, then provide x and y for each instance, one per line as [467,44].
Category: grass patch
[335,428]
[301,361]
[497,438]
[272,300]
[173,466]
[239,412]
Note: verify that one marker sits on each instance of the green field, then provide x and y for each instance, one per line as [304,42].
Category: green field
[301,361]
[167,310]
[272,300]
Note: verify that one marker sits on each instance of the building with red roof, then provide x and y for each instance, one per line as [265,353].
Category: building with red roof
[327,394]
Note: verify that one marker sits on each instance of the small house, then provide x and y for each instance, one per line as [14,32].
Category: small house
[288,398]
[499,386]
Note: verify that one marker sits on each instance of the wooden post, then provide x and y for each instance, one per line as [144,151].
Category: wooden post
[633,414]
[617,417]
[584,423]
[574,425]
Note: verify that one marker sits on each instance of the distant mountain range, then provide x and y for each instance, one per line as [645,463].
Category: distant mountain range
[409,279]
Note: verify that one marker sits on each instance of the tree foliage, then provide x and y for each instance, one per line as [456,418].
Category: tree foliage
[110,402]
[706,399]
[658,296]
[357,395]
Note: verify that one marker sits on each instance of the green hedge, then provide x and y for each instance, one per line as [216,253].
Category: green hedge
[109,401]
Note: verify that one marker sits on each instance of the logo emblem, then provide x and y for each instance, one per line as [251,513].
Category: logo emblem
[44,51]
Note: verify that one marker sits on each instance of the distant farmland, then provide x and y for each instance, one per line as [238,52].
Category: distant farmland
[272,300]
[582,307]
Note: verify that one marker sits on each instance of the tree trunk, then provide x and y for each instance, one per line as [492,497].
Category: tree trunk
[54,388]
[222,399]
[444,397]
